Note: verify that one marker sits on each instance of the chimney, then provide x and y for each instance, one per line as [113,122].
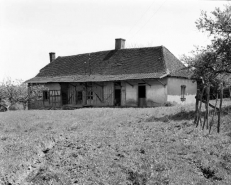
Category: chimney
[119,43]
[52,56]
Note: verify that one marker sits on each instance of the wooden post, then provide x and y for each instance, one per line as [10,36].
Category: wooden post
[207,106]
[199,110]
[206,116]
[28,91]
[214,113]
[85,94]
[230,92]
[220,109]
[196,106]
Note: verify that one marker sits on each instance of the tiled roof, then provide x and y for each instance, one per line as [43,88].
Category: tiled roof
[123,64]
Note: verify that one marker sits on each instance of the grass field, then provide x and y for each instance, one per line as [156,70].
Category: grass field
[112,146]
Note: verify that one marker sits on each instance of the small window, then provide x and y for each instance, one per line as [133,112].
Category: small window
[45,95]
[90,95]
[183,87]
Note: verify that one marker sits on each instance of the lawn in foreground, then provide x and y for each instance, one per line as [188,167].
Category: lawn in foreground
[112,146]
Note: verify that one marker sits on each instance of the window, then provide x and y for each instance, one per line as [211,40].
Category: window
[90,95]
[45,95]
[183,87]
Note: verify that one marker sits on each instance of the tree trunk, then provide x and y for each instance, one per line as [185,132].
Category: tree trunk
[230,92]
[214,113]
[199,110]
[207,106]
[196,106]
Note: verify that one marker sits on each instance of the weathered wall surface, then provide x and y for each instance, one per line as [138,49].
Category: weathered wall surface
[156,93]
[54,99]
[174,90]
[53,86]
[71,93]
[103,93]
[108,92]
[123,94]
[131,91]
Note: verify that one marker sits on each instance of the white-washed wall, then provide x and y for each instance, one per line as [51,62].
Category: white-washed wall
[156,92]
[174,90]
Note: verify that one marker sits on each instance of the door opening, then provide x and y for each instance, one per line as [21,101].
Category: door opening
[117,97]
[142,95]
[79,97]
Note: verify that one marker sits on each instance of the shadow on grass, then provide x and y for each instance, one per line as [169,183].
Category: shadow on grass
[186,115]
[175,117]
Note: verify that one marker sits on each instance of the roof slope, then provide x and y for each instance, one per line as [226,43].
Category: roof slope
[123,64]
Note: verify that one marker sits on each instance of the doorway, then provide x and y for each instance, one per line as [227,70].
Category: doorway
[79,97]
[141,95]
[117,97]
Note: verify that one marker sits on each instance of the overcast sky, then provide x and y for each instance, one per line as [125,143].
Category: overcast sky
[29,30]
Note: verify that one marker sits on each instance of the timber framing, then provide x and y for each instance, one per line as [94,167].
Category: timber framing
[161,82]
[129,83]
[146,83]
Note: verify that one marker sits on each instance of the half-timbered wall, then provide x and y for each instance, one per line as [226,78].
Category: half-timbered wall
[155,93]
[51,97]
[93,94]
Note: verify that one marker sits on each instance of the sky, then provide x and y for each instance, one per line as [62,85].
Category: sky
[29,30]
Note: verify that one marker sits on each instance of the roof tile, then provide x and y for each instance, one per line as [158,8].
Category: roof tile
[123,64]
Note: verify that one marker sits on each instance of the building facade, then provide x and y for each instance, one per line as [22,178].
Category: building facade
[137,77]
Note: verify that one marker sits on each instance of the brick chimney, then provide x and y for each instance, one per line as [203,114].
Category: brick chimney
[119,43]
[52,56]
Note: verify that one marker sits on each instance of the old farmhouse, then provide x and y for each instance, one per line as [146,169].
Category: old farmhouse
[135,77]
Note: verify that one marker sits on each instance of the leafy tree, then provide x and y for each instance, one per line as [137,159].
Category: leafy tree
[13,92]
[212,64]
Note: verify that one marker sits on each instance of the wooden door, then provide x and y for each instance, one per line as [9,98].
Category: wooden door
[79,97]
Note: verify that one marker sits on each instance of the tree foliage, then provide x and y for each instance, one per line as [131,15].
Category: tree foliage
[211,65]
[13,92]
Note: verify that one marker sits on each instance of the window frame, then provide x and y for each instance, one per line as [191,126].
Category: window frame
[90,95]
[46,95]
[183,90]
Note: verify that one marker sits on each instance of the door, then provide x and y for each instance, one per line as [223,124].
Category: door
[142,96]
[117,101]
[79,97]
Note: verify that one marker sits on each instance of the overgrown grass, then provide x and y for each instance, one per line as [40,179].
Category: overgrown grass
[112,146]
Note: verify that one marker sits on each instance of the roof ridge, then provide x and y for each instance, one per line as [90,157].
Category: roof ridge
[163,59]
[111,50]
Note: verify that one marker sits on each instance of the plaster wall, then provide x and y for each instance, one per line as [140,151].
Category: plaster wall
[156,92]
[174,90]
[131,94]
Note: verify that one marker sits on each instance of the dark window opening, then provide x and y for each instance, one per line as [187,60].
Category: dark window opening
[183,87]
